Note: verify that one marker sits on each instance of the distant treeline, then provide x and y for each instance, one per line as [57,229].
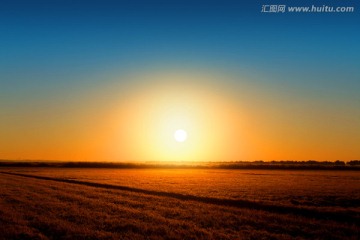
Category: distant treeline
[288,164]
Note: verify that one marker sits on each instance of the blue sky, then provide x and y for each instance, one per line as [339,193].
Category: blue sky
[45,43]
[55,35]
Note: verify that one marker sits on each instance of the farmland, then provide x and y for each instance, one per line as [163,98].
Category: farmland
[60,203]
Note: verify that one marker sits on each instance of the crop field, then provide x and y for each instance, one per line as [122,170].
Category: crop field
[90,203]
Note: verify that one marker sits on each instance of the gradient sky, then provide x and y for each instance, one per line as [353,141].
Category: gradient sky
[112,80]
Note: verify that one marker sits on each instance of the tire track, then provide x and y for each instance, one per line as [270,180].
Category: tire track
[349,216]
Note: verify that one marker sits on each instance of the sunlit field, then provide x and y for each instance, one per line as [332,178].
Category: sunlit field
[48,203]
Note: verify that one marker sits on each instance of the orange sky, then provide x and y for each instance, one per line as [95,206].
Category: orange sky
[135,119]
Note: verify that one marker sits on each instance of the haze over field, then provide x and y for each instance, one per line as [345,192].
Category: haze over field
[177,81]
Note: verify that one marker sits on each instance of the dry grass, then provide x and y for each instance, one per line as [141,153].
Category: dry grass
[291,187]
[51,208]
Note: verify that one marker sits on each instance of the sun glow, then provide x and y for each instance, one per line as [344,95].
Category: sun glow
[180,135]
[155,121]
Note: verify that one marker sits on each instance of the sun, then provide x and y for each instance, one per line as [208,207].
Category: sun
[180,135]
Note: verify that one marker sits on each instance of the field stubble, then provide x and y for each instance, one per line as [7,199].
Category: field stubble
[52,208]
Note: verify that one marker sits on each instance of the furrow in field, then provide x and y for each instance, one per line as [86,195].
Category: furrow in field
[347,216]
